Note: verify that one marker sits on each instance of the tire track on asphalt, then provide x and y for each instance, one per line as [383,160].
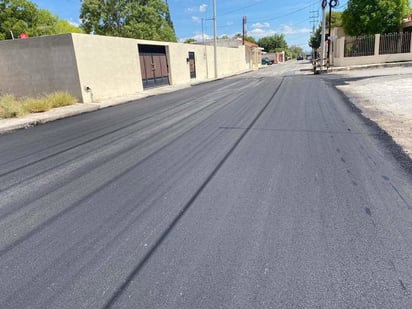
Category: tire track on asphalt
[27,210]
[118,292]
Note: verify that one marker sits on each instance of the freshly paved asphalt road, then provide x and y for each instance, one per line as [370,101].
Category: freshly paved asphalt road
[264,190]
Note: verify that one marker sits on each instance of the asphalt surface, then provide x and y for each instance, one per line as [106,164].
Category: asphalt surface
[266,190]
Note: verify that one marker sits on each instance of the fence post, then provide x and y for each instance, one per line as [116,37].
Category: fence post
[377,44]
[340,51]
[410,40]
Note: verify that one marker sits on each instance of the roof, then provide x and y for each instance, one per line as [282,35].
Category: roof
[247,43]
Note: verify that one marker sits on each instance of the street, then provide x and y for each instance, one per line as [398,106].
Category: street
[263,190]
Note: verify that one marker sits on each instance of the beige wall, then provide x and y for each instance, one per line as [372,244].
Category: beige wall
[108,66]
[230,60]
[38,65]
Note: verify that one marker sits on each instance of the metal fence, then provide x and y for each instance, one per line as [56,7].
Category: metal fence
[395,43]
[360,46]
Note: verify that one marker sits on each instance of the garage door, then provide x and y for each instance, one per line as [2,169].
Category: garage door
[153,65]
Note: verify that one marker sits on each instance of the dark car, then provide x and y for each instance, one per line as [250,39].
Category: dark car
[300,57]
[266,61]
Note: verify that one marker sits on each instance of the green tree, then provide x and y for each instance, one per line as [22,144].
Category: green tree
[336,21]
[140,19]
[247,38]
[250,39]
[315,38]
[190,41]
[45,23]
[16,16]
[374,16]
[23,16]
[63,26]
[273,43]
[295,51]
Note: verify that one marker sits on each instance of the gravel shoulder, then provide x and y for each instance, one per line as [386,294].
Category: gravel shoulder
[385,97]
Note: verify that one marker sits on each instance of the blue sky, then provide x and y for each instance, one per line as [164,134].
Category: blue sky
[264,17]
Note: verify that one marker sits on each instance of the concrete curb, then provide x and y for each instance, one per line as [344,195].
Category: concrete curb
[372,66]
[12,124]
[8,125]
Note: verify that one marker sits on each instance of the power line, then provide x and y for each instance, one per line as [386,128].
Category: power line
[283,15]
[240,9]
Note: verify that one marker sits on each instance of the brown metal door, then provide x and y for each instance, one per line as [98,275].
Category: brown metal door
[192,65]
[153,65]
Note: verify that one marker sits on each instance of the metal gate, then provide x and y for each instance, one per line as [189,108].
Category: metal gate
[153,65]
[192,65]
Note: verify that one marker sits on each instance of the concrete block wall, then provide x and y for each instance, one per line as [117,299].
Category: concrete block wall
[39,66]
[95,68]
[109,66]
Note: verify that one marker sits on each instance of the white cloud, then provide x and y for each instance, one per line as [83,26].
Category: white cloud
[73,23]
[260,25]
[287,29]
[260,33]
[198,37]
[203,8]
[190,10]
[260,30]
[196,19]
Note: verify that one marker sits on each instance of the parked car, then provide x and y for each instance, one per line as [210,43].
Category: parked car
[300,57]
[266,61]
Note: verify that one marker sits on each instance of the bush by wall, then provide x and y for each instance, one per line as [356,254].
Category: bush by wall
[12,107]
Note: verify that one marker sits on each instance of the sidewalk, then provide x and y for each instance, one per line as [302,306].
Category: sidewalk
[27,121]
[12,124]
[383,94]
[372,66]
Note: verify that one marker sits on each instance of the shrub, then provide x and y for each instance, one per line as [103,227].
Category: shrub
[59,99]
[10,107]
[36,105]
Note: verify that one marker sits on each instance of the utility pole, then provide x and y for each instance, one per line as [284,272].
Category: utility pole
[322,44]
[332,4]
[215,37]
[314,19]
[244,21]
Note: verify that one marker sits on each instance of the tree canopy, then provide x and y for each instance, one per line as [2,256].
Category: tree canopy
[23,16]
[140,19]
[294,51]
[336,21]
[374,16]
[315,38]
[273,43]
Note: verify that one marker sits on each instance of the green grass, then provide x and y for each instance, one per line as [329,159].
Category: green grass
[12,107]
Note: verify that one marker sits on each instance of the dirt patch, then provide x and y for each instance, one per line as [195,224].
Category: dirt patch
[386,100]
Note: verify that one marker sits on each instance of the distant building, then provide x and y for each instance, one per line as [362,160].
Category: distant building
[407,24]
